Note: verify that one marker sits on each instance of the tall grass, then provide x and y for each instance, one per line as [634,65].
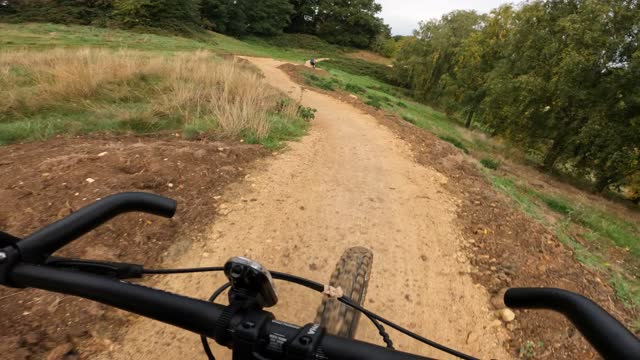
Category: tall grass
[82,90]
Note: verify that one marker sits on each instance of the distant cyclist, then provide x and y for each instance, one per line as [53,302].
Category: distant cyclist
[313,62]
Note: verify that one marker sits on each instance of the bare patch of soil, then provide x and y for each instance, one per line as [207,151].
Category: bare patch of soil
[506,247]
[42,182]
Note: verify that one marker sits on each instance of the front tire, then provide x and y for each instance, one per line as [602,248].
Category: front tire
[352,275]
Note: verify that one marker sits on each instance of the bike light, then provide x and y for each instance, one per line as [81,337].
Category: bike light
[249,278]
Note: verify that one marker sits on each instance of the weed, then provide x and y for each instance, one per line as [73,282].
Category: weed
[455,142]
[529,349]
[490,163]
[307,113]
[401,104]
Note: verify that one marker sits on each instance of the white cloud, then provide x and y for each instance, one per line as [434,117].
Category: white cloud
[403,15]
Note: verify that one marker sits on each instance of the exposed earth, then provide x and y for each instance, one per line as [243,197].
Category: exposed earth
[444,241]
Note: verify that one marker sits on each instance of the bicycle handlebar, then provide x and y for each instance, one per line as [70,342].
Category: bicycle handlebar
[19,267]
[193,315]
[603,331]
[36,247]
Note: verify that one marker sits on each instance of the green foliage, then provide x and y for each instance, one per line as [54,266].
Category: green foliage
[490,163]
[241,17]
[345,22]
[171,15]
[559,77]
[384,45]
[82,12]
[307,113]
[455,142]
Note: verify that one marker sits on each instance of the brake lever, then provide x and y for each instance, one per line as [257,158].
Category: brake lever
[118,270]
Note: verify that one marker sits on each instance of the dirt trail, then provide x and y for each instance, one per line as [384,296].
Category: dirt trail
[350,182]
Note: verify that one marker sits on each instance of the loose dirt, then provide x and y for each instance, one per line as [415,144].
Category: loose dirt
[350,182]
[42,182]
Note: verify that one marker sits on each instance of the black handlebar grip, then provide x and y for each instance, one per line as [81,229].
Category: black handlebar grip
[606,334]
[36,247]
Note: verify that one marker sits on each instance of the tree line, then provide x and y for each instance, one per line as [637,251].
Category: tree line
[345,22]
[559,78]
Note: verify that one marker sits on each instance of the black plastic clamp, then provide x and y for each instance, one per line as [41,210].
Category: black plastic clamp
[306,342]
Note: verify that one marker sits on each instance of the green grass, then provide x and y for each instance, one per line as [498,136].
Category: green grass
[455,142]
[321,82]
[490,163]
[282,129]
[354,88]
[360,67]
[45,36]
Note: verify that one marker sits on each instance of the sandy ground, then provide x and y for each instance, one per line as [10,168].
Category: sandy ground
[350,182]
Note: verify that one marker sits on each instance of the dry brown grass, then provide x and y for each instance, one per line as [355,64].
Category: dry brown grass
[196,88]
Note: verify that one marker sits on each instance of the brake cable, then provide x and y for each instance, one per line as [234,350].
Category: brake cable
[376,319]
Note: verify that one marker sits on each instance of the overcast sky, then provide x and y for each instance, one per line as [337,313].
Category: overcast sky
[404,15]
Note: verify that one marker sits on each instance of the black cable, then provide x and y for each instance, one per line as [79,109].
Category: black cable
[203,339]
[385,336]
[181,271]
[409,333]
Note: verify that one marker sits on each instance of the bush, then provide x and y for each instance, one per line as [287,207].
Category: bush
[490,163]
[455,142]
[401,104]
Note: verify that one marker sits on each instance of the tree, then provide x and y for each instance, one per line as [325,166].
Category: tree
[242,17]
[83,12]
[303,16]
[175,15]
[349,22]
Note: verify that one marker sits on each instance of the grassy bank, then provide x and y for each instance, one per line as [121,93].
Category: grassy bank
[76,91]
[46,36]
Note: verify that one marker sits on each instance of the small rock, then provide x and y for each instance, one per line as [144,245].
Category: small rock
[170,185]
[200,154]
[507,315]
[302,207]
[423,257]
[102,154]
[498,302]
[90,180]
[220,149]
[496,323]
[59,352]
[313,267]
[223,206]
